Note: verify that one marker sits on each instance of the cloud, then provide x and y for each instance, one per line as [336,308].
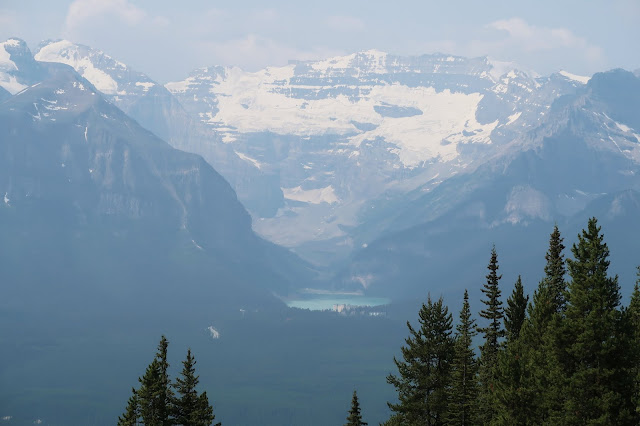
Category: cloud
[345,23]
[252,52]
[89,19]
[530,38]
[81,11]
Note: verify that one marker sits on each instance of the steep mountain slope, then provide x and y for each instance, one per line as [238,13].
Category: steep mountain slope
[583,160]
[156,109]
[115,214]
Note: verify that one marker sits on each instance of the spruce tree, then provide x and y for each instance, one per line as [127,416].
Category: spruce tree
[542,373]
[511,396]
[150,404]
[189,408]
[598,386]
[355,418]
[130,416]
[165,394]
[516,311]
[424,374]
[492,334]
[633,314]
[463,392]
[555,271]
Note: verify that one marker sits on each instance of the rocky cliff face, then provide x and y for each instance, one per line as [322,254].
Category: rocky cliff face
[91,196]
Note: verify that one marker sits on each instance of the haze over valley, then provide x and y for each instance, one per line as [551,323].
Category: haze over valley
[284,220]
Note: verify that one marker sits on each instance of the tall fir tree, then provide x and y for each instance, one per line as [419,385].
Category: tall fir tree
[633,314]
[542,373]
[150,404]
[424,374]
[463,393]
[492,334]
[189,408]
[511,396]
[130,416]
[355,417]
[598,387]
[515,312]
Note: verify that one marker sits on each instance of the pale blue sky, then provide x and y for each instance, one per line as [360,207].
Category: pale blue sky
[167,39]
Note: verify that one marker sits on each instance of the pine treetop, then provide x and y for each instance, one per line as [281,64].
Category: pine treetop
[493,305]
[516,311]
[555,271]
[355,418]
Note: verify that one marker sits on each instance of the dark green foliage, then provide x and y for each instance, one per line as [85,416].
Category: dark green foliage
[154,403]
[492,333]
[511,396]
[189,408]
[463,393]
[424,374]
[130,416]
[355,418]
[542,341]
[150,402]
[555,271]
[596,357]
[516,311]
[633,315]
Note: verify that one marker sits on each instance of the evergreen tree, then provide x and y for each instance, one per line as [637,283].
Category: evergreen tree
[130,416]
[516,311]
[424,373]
[355,418]
[165,394]
[492,333]
[149,394]
[462,408]
[189,408]
[598,387]
[633,313]
[542,374]
[512,398]
[555,271]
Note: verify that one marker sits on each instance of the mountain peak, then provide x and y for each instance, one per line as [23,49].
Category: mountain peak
[17,66]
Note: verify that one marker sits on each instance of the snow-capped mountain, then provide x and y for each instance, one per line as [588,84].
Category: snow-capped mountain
[582,161]
[347,130]
[18,69]
[329,155]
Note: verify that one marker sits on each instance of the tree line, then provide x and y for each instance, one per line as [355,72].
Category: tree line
[568,356]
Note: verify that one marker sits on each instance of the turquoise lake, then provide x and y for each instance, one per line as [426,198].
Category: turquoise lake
[326,302]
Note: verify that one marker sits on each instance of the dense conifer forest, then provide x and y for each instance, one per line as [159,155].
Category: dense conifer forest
[569,354]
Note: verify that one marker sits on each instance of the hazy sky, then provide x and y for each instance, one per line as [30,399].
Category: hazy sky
[168,38]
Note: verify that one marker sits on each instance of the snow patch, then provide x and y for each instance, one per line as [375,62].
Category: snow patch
[253,161]
[215,334]
[10,83]
[514,117]
[312,196]
[6,198]
[623,127]
[579,78]
[145,85]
